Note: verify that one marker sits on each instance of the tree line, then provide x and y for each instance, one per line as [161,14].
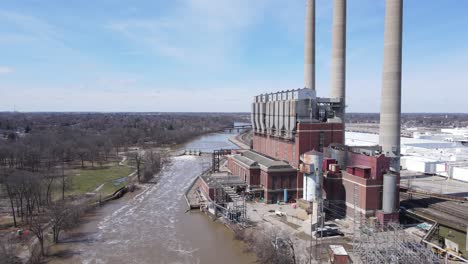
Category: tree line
[37,148]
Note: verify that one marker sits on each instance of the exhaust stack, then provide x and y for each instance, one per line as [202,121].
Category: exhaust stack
[390,113]
[338,63]
[309,52]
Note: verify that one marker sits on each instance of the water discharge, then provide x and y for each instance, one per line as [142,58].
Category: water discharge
[153,226]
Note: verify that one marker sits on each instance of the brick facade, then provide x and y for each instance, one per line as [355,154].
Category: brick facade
[250,175]
[309,136]
[205,188]
[273,182]
[356,182]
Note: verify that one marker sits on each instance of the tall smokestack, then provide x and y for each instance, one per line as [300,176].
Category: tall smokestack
[390,112]
[338,63]
[309,63]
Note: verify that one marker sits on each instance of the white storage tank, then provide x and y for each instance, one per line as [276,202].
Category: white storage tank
[312,170]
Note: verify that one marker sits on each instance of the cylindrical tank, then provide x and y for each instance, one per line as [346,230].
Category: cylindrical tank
[389,187]
[339,156]
[313,176]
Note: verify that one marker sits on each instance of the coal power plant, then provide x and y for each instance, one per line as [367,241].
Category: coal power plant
[305,133]
[298,155]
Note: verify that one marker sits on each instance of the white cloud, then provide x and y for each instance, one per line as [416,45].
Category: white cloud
[197,32]
[5,70]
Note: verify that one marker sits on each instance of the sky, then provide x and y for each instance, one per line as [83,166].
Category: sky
[215,55]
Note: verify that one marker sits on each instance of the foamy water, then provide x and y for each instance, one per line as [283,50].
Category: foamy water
[153,226]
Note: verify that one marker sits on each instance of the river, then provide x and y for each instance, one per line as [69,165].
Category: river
[153,226]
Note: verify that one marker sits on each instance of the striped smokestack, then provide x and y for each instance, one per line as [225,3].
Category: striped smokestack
[309,52]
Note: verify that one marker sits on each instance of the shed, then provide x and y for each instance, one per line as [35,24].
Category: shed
[338,254]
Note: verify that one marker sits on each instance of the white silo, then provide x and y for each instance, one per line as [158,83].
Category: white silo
[312,169]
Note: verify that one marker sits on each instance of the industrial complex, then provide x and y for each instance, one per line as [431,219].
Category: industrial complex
[299,153]
[298,146]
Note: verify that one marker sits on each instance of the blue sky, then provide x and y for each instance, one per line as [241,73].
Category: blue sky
[215,55]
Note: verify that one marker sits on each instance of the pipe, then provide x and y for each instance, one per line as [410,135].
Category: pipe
[309,49]
[390,114]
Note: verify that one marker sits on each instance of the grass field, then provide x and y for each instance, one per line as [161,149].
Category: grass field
[88,179]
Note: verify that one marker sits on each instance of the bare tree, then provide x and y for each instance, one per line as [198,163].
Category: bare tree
[82,154]
[36,226]
[270,245]
[7,183]
[138,158]
[62,216]
[48,177]
[153,163]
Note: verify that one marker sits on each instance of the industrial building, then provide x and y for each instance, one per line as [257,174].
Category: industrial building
[298,149]
[274,180]
[443,154]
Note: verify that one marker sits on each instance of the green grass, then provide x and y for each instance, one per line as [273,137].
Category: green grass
[88,179]
[455,236]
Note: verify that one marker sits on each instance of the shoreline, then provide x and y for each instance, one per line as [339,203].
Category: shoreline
[238,142]
[59,253]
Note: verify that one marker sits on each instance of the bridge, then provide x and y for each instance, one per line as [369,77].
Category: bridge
[237,127]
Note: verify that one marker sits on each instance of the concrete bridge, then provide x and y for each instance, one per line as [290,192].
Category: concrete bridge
[237,127]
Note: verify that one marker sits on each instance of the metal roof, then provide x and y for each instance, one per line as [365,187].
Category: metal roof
[246,161]
[266,162]
[338,250]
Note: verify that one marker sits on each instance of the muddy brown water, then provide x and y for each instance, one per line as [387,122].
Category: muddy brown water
[153,226]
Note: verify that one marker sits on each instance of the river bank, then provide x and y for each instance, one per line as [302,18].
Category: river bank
[151,226]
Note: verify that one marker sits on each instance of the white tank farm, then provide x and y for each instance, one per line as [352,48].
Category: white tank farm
[312,169]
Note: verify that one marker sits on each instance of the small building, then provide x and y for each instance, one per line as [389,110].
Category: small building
[338,254]
[271,177]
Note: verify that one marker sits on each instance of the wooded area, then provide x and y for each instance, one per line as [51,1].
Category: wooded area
[37,150]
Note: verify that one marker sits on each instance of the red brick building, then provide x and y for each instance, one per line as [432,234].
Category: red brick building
[267,175]
[361,181]
[308,136]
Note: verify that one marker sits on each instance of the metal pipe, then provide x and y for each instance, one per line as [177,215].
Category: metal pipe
[309,49]
[390,114]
